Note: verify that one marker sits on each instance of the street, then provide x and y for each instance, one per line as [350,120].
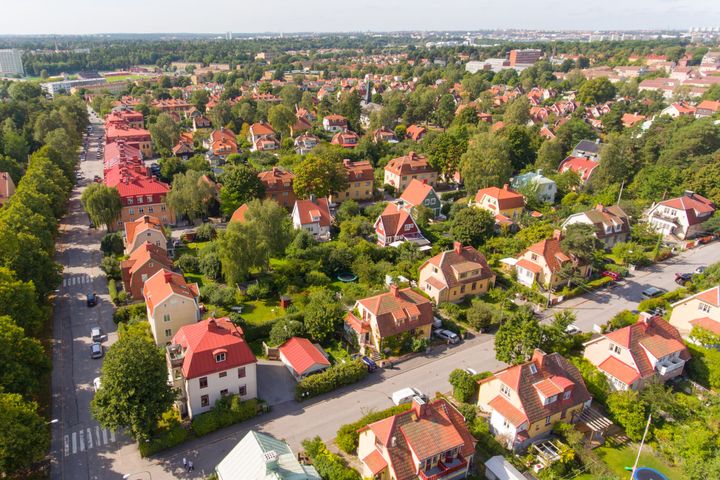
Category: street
[81,449]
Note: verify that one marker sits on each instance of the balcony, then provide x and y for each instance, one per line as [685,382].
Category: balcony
[444,468]
[667,367]
[175,355]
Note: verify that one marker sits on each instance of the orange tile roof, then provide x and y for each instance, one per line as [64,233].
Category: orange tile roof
[416,192]
[506,197]
[458,259]
[513,415]
[147,222]
[551,251]
[309,209]
[707,323]
[239,214]
[165,283]
[375,462]
[302,354]
[399,310]
[620,370]
[410,163]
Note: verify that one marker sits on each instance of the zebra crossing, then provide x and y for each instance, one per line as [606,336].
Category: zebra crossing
[87,439]
[81,279]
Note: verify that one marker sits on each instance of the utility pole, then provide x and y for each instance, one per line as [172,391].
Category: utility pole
[622,186]
[637,459]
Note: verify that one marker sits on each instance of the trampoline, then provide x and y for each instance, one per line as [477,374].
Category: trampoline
[644,473]
[347,277]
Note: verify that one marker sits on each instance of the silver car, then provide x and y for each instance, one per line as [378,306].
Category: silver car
[96,350]
[451,337]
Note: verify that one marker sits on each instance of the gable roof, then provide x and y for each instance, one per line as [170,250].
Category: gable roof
[302,355]
[505,196]
[203,340]
[142,224]
[165,283]
[145,253]
[459,259]
[602,216]
[551,251]
[583,166]
[398,310]
[261,128]
[239,214]
[416,192]
[130,182]
[393,218]
[359,171]
[693,204]
[410,163]
[711,296]
[275,178]
[313,211]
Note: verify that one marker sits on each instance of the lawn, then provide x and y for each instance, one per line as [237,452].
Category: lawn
[258,312]
[619,458]
[123,78]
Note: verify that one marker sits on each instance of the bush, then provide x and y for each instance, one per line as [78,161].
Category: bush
[134,311]
[170,432]
[328,464]
[284,329]
[652,304]
[595,381]
[464,385]
[315,277]
[338,375]
[452,195]
[188,263]
[452,311]
[258,290]
[112,244]
[482,315]
[205,232]
[228,411]
[622,319]
[704,366]
[347,435]
[216,294]
[112,289]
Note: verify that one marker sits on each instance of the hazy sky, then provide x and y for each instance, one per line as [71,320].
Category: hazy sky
[138,16]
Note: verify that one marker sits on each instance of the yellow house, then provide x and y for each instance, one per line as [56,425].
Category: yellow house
[524,401]
[452,275]
[361,178]
[702,310]
[501,202]
[171,304]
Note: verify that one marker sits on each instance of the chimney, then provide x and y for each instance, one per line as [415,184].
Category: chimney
[212,323]
[538,357]
[394,290]
[506,187]
[600,207]
[420,407]
[645,318]
[313,199]
[557,235]
[393,441]
[457,246]
[346,162]
[146,218]
[168,276]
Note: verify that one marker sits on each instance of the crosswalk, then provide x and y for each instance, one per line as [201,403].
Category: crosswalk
[86,439]
[80,279]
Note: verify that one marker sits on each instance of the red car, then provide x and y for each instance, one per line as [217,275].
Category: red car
[614,275]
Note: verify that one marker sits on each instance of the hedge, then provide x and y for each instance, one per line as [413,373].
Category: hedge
[112,289]
[228,411]
[328,464]
[124,314]
[338,375]
[580,289]
[452,195]
[347,435]
[170,432]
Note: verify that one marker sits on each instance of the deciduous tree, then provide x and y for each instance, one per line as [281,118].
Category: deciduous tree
[319,176]
[486,162]
[323,314]
[102,204]
[518,337]
[24,436]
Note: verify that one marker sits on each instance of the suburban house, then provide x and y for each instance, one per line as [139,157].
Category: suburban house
[429,442]
[361,178]
[306,142]
[401,170]
[629,120]
[301,125]
[208,360]
[200,121]
[260,131]
[346,139]
[701,310]
[679,109]
[588,149]
[7,187]
[313,215]
[278,185]
[384,135]
[418,193]
[545,188]
[145,229]
[525,401]
[220,144]
[144,262]
[542,263]
[630,357]
[415,132]
[335,123]
[452,275]
[395,226]
[239,213]
[611,224]
[184,148]
[681,217]
[376,322]
[171,303]
[140,194]
[261,457]
[582,166]
[504,203]
[302,357]
[707,108]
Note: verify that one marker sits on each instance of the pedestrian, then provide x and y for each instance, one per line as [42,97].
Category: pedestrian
[185,463]
[191,466]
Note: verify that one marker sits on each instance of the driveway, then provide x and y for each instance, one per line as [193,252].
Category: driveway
[275,383]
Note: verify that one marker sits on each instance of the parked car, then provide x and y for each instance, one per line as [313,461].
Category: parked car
[572,329]
[471,371]
[96,384]
[91,299]
[96,350]
[369,362]
[450,337]
[652,292]
[97,179]
[405,395]
[96,334]
[682,278]
[614,275]
[700,270]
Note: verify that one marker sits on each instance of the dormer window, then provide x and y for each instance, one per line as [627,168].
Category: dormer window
[567,394]
[550,400]
[220,357]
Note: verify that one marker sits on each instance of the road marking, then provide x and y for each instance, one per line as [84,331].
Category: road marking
[74,442]
[105,439]
[82,440]
[112,436]
[89,439]
[97,435]
[66,445]
[103,436]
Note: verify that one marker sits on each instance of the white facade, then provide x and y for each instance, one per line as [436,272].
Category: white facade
[11,62]
[236,380]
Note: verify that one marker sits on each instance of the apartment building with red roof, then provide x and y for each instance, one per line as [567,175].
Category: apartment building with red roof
[525,401]
[121,153]
[543,263]
[701,311]
[361,180]
[396,225]
[313,215]
[380,321]
[171,303]
[140,193]
[209,360]
[144,262]
[454,274]
[430,441]
[681,217]
[7,188]
[278,184]
[130,117]
[302,357]
[400,171]
[633,356]
[117,128]
[145,229]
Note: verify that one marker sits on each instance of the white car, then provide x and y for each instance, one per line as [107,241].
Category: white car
[405,395]
[572,329]
[96,384]
[700,270]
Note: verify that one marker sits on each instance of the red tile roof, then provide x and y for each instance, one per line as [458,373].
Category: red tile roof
[398,311]
[165,283]
[260,129]
[709,105]
[693,205]
[131,182]
[359,171]
[620,370]
[707,323]
[503,406]
[276,178]
[415,132]
[412,163]
[314,211]
[584,167]
[461,260]
[506,197]
[416,192]
[202,341]
[239,214]
[375,462]
[551,251]
[393,218]
[302,354]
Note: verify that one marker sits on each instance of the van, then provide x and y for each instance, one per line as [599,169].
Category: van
[405,395]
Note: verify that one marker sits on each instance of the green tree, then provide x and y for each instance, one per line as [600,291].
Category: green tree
[240,184]
[323,314]
[549,156]
[165,133]
[629,411]
[571,132]
[284,329]
[481,315]
[445,110]
[281,118]
[464,385]
[24,436]
[200,99]
[14,144]
[239,252]
[23,359]
[290,95]
[102,204]
[319,176]
[517,111]
[18,300]
[135,392]
[191,194]
[444,150]
[486,162]
[596,90]
[629,253]
[169,167]
[271,225]
[580,241]
[523,145]
[472,226]
[221,114]
[618,162]
[518,337]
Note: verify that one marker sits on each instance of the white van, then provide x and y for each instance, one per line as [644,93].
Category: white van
[406,395]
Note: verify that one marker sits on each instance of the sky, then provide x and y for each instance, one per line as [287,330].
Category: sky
[193,16]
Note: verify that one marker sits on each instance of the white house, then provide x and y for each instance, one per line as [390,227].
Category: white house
[314,216]
[546,188]
[681,217]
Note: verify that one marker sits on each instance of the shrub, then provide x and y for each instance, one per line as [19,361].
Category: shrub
[188,263]
[134,311]
[112,244]
[258,290]
[284,329]
[595,381]
[348,436]
[111,267]
[652,304]
[464,385]
[453,311]
[216,294]
[482,315]
[338,375]
[704,366]
[622,319]
[205,232]
[228,411]
[170,432]
[315,277]
[328,464]
[112,289]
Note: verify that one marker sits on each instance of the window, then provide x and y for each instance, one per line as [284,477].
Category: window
[506,424]
[220,357]
[615,348]
[168,332]
[550,400]
[131,211]
[533,257]
[567,394]
[148,198]
[242,391]
[204,401]
[547,420]
[533,368]
[222,374]
[141,210]
[474,284]
[139,199]
[704,307]
[162,208]
[241,372]
[166,317]
[223,392]
[129,201]
[203,382]
[505,390]
[408,227]
[151,210]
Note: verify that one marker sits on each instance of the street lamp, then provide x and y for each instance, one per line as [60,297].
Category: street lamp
[54,420]
[128,475]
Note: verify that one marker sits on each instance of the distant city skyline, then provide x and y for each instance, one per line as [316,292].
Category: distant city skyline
[164,16]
